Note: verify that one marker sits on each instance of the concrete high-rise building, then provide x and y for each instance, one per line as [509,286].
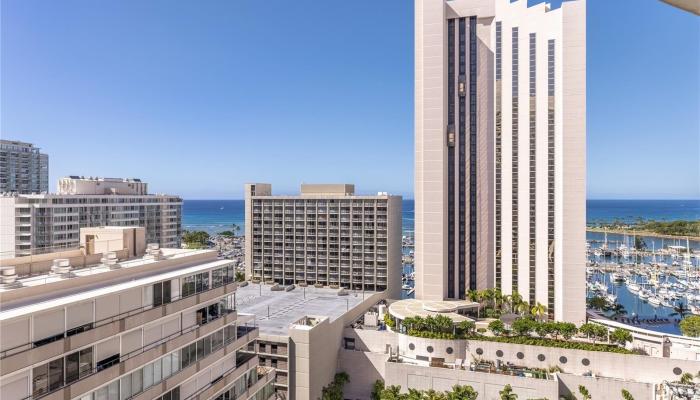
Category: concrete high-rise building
[44,223]
[327,235]
[161,325]
[23,168]
[500,120]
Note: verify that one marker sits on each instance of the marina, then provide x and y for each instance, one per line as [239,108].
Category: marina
[649,288]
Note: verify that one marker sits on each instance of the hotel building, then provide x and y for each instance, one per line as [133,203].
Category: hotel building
[500,114]
[327,235]
[23,168]
[43,223]
[161,325]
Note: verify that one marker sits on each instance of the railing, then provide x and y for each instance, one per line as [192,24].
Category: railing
[132,354]
[97,324]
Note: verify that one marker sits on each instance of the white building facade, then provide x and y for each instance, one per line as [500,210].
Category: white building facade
[163,327]
[43,223]
[500,151]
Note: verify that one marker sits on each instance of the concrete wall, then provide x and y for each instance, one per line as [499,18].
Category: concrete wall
[314,351]
[604,388]
[487,385]
[620,366]
[41,263]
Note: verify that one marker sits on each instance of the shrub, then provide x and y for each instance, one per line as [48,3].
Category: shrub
[497,327]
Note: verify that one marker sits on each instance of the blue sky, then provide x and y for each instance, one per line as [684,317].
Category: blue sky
[194,96]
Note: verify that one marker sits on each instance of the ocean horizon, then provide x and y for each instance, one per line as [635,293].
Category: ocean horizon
[218,215]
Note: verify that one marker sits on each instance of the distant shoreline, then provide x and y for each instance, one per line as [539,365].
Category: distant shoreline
[642,233]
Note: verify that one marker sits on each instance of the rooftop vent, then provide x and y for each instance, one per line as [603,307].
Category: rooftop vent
[109,259]
[153,252]
[61,266]
[8,277]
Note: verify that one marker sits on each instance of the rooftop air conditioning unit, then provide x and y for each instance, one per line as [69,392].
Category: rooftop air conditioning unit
[110,260]
[61,266]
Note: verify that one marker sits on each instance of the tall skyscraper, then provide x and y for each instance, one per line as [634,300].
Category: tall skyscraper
[23,169]
[500,110]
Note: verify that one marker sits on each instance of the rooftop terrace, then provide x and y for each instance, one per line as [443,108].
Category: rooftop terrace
[275,311]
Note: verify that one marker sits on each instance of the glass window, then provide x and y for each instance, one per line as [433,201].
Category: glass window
[126,387]
[40,382]
[176,361]
[147,376]
[157,294]
[72,367]
[167,366]
[136,382]
[205,281]
[56,374]
[157,371]
[86,362]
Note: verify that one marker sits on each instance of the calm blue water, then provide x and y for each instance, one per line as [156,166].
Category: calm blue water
[633,210]
[218,215]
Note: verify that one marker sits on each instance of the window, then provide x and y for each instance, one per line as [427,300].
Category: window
[48,377]
[161,293]
[349,343]
[78,365]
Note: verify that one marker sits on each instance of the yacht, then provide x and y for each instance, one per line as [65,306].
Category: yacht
[633,287]
[654,300]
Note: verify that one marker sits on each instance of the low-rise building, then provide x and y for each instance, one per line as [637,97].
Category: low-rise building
[160,325]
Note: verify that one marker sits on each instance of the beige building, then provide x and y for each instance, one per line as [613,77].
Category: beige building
[23,168]
[90,185]
[43,223]
[327,235]
[500,109]
[162,325]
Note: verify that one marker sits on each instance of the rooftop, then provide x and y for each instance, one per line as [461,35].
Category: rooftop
[19,307]
[275,311]
[422,308]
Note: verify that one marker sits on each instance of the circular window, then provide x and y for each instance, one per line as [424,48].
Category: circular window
[586,362]
[563,360]
[541,357]
[520,355]
[411,346]
[449,350]
[479,351]
[430,349]
[677,371]
[499,353]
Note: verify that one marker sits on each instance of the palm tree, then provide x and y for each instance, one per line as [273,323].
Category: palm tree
[497,297]
[539,310]
[460,392]
[523,307]
[617,309]
[235,228]
[686,379]
[508,299]
[476,297]
[680,310]
[507,393]
[516,299]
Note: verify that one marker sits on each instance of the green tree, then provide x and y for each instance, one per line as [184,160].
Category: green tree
[240,276]
[462,392]
[680,310]
[507,393]
[195,239]
[626,395]
[523,326]
[597,303]
[593,331]
[497,327]
[377,390]
[235,228]
[617,309]
[467,327]
[621,336]
[584,392]
[687,378]
[690,326]
[539,311]
[567,329]
[334,390]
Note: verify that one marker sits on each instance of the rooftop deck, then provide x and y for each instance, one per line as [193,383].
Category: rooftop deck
[275,311]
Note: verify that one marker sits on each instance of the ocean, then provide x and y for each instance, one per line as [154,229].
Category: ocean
[218,215]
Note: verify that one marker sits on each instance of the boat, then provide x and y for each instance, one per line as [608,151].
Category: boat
[643,294]
[633,287]
[611,298]
[618,277]
[654,300]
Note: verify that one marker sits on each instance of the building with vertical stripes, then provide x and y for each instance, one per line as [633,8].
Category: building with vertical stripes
[500,135]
